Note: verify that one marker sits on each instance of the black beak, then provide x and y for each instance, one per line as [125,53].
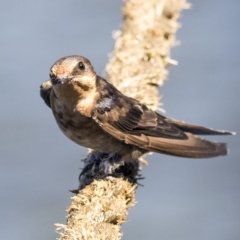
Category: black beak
[60,80]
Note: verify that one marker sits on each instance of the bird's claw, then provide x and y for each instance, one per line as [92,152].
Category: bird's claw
[112,163]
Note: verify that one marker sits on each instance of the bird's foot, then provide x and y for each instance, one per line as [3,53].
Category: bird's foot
[113,162]
[100,165]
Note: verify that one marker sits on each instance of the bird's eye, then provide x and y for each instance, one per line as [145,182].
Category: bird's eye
[81,65]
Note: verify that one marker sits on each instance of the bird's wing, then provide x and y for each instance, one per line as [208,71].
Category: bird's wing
[192,147]
[45,90]
[133,123]
[129,116]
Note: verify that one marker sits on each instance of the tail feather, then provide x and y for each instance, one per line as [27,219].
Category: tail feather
[195,129]
[193,147]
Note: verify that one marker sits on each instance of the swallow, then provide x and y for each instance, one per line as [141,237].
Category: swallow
[93,113]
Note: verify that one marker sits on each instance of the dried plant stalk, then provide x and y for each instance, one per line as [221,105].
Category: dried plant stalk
[137,67]
[138,63]
[98,210]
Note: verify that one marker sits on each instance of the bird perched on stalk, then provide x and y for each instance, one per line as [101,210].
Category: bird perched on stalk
[94,114]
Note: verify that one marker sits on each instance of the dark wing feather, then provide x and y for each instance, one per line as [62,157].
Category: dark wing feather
[195,129]
[141,120]
[45,90]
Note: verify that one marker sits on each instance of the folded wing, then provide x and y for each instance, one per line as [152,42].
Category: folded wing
[135,124]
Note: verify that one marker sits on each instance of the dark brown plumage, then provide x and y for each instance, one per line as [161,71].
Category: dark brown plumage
[93,113]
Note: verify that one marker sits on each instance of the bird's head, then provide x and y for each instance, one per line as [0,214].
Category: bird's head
[72,68]
[71,75]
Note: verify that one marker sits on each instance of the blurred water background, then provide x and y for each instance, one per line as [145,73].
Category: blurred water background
[182,199]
